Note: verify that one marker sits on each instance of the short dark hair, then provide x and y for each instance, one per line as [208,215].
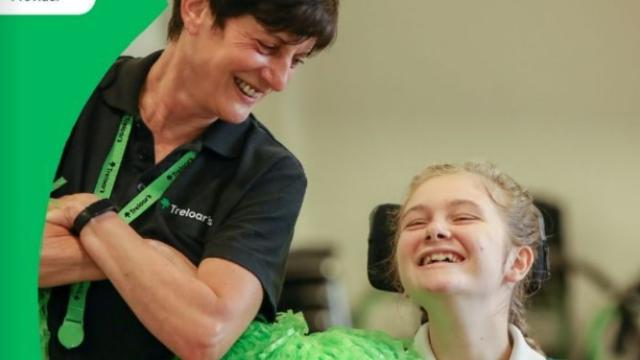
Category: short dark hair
[304,18]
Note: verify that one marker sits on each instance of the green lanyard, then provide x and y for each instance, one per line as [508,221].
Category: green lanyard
[71,332]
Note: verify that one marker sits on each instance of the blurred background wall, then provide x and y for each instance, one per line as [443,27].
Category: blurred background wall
[548,90]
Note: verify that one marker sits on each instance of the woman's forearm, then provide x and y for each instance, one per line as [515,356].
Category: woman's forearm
[163,291]
[63,259]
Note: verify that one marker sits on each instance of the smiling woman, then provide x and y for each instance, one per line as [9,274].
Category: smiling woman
[170,140]
[465,244]
[229,69]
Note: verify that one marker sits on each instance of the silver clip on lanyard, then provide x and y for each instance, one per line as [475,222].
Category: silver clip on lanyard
[71,332]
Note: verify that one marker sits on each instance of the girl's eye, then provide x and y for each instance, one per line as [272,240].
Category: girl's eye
[415,224]
[464,218]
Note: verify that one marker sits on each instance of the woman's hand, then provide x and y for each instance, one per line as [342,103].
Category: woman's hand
[63,211]
[63,259]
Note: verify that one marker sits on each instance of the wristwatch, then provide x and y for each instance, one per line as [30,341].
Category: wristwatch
[97,208]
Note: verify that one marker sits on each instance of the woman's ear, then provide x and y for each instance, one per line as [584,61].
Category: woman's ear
[521,262]
[195,13]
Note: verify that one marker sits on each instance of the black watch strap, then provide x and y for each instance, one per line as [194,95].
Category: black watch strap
[97,208]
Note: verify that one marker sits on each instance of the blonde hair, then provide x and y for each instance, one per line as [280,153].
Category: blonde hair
[522,218]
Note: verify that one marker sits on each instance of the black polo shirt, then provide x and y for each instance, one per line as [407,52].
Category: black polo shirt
[238,200]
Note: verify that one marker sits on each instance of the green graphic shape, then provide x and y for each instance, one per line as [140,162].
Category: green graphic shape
[49,66]
[165,203]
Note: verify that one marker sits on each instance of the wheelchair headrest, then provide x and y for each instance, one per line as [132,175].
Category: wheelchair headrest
[381,233]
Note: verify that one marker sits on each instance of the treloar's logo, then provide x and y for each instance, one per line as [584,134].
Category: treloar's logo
[138,206]
[173,209]
[105,179]
[45,7]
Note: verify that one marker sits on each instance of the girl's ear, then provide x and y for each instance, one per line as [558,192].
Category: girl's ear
[520,261]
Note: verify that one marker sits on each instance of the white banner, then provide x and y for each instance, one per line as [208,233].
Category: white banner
[45,7]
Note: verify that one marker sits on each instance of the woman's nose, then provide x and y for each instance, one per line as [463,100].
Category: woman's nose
[277,74]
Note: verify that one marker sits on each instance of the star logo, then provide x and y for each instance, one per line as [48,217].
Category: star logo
[165,203]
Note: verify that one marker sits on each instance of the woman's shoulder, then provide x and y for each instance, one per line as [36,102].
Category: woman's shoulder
[263,145]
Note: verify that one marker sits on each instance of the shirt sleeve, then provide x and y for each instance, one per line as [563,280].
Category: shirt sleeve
[258,232]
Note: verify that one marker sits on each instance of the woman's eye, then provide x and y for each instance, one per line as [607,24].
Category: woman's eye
[297,62]
[267,48]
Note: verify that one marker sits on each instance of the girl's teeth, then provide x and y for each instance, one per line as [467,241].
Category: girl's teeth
[450,257]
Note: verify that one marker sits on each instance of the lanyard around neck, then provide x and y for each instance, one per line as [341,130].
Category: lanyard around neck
[71,332]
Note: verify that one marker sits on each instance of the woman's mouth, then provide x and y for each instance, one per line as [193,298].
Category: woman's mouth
[247,89]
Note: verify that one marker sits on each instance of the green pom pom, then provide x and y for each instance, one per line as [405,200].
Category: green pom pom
[288,338]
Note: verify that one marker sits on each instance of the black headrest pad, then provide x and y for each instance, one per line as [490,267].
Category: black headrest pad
[381,232]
